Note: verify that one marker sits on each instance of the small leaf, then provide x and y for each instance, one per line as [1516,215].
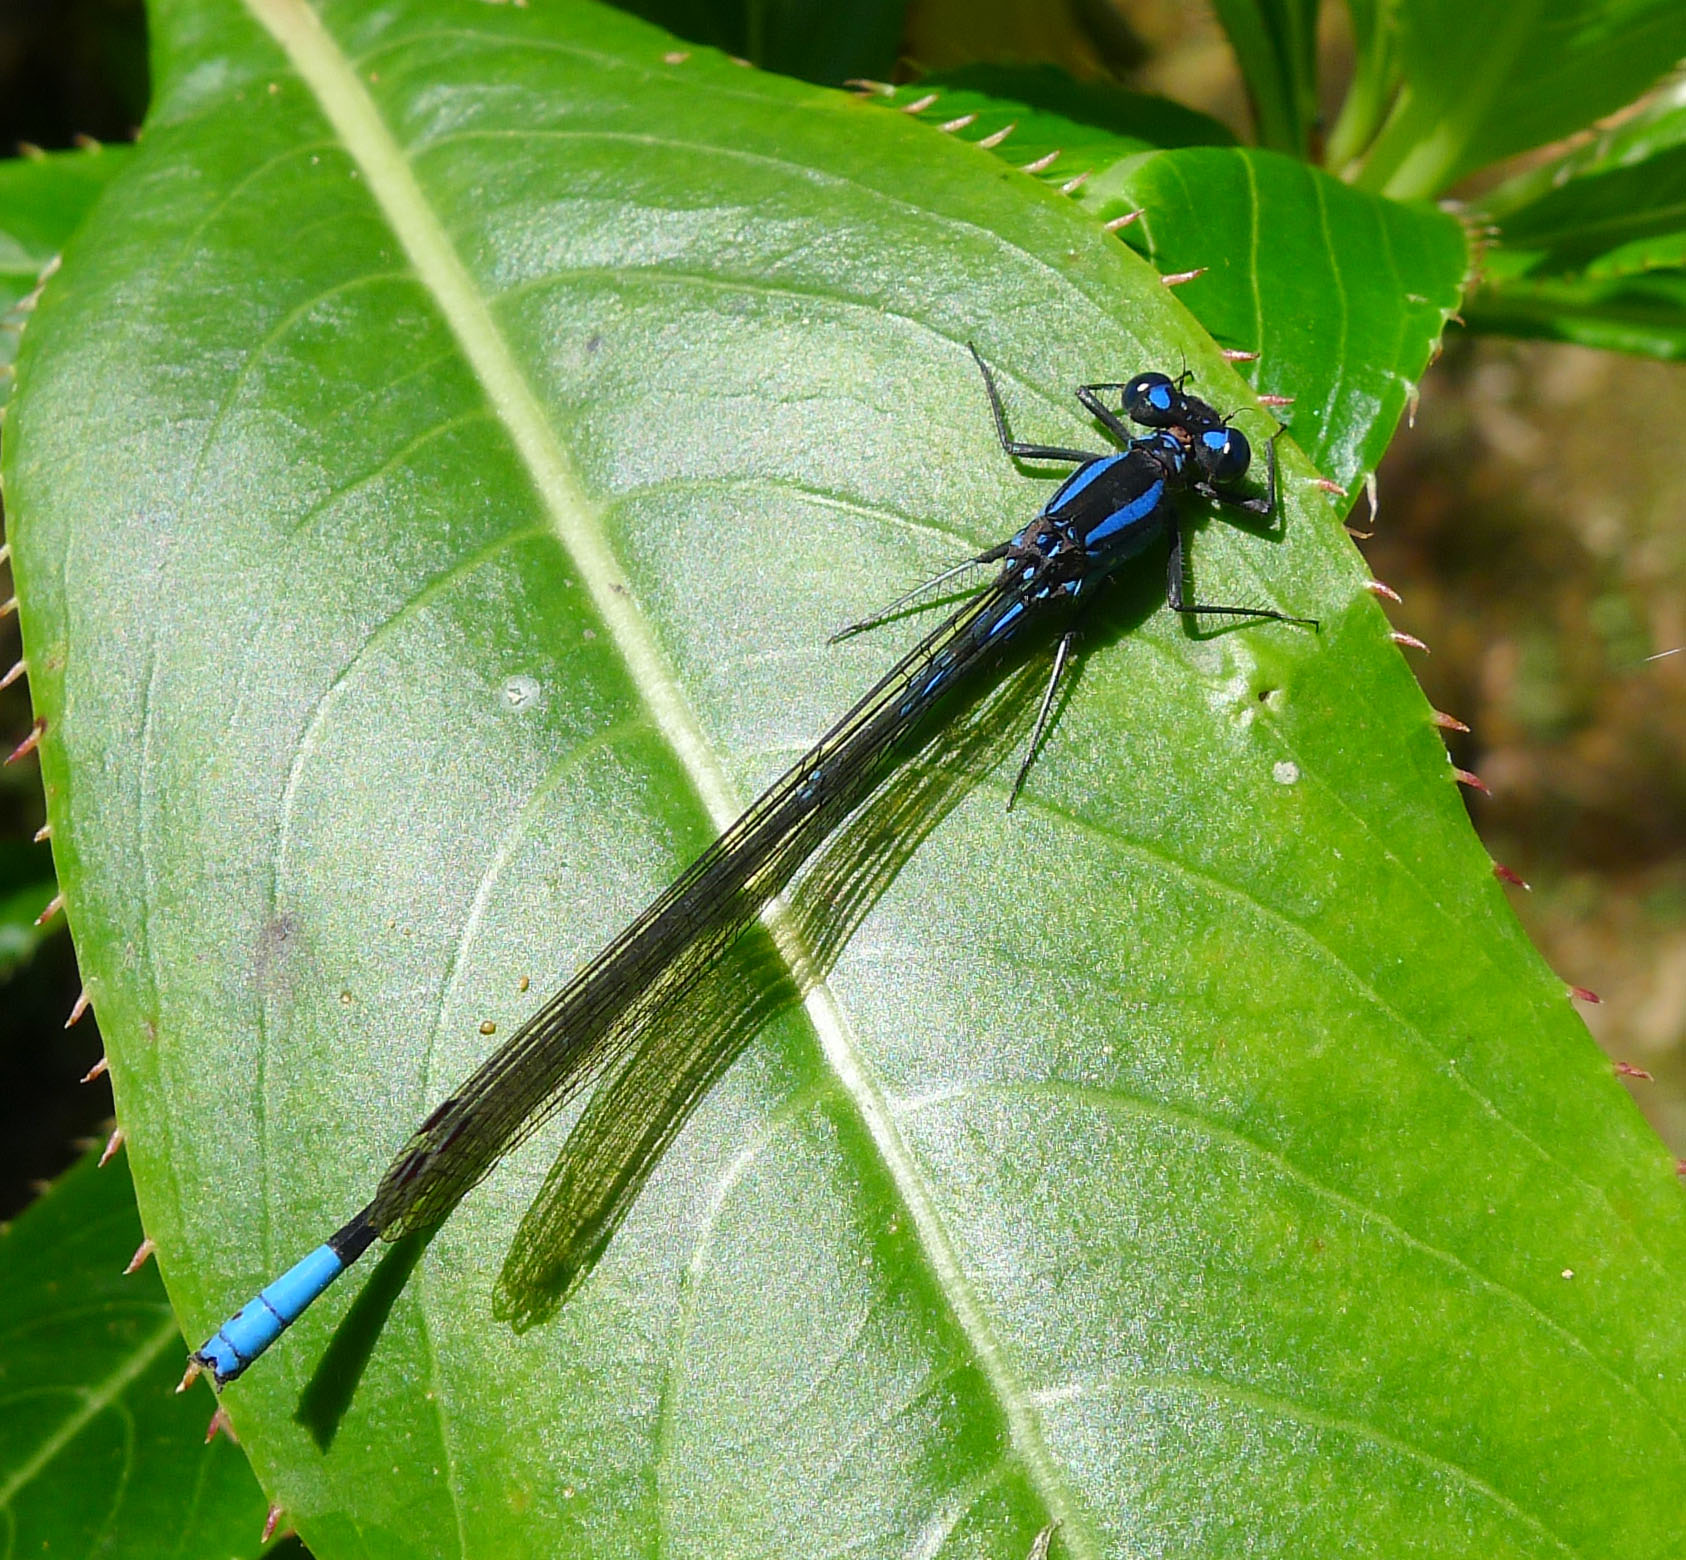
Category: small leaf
[98,1455]
[1592,247]
[1275,43]
[1616,207]
[42,200]
[1645,315]
[24,894]
[1029,111]
[1344,295]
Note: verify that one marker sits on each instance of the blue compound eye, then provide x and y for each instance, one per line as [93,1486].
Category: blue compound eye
[1224,453]
[1151,400]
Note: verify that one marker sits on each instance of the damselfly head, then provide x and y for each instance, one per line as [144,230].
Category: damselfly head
[1223,453]
[1152,400]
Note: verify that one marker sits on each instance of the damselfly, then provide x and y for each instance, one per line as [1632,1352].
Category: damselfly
[1111,509]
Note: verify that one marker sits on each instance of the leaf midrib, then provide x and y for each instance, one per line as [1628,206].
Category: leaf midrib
[576,521]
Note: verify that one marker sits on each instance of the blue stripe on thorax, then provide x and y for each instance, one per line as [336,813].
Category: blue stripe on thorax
[1132,513]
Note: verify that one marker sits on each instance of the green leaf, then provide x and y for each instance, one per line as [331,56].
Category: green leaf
[1344,295]
[1592,247]
[1615,207]
[1369,93]
[42,200]
[1487,78]
[1275,43]
[98,1456]
[813,39]
[437,470]
[26,888]
[1645,315]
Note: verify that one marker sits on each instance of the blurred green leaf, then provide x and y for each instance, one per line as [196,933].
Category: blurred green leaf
[1484,79]
[42,200]
[1275,43]
[98,1455]
[1370,91]
[1615,207]
[814,39]
[437,471]
[1645,315]
[1592,247]
[26,887]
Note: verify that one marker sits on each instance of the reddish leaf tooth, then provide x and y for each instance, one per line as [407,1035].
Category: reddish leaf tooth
[1447,722]
[1628,1070]
[112,1144]
[138,1260]
[220,1425]
[1177,278]
[1581,994]
[1408,641]
[1505,875]
[29,743]
[1041,164]
[1472,780]
[1117,222]
[1386,592]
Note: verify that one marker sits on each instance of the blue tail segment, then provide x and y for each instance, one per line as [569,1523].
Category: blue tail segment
[258,1323]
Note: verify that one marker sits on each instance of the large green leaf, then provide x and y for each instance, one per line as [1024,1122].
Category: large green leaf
[436,473]
[97,1455]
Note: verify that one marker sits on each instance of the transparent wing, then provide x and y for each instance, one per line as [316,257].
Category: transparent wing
[612,1002]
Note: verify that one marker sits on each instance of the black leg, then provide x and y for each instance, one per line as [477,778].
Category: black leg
[908,598]
[1014,447]
[1108,418]
[1178,602]
[1062,658]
